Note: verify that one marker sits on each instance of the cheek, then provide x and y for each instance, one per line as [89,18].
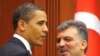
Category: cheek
[33,33]
[72,44]
[35,30]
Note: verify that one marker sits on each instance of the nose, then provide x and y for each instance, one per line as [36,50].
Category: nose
[62,43]
[45,28]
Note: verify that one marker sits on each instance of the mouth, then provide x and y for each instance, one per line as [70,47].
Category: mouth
[43,36]
[66,53]
[63,52]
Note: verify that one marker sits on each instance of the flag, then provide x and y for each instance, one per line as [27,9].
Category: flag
[87,12]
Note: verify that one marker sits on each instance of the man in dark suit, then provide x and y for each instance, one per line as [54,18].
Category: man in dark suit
[29,22]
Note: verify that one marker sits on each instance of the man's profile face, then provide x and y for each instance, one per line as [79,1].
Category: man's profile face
[36,28]
[69,43]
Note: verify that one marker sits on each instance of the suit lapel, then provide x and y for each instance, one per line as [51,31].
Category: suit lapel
[28,53]
[18,42]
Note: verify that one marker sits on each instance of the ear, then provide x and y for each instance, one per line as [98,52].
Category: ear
[83,44]
[21,25]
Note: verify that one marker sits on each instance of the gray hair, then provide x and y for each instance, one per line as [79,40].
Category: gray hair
[81,27]
[25,12]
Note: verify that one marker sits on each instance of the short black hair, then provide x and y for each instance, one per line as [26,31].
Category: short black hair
[24,12]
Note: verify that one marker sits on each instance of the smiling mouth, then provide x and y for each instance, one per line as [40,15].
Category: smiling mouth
[66,53]
[63,52]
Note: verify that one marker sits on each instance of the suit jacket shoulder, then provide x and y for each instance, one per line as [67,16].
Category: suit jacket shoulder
[14,48]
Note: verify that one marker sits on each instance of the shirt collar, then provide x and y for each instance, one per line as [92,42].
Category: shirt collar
[24,41]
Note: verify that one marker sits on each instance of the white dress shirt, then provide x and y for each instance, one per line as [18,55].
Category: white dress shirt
[24,41]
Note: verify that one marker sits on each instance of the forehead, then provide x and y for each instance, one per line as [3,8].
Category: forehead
[39,15]
[71,31]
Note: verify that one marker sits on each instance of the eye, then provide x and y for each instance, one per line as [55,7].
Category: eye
[40,23]
[68,39]
[58,40]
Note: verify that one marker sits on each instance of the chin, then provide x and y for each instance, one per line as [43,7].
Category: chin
[38,43]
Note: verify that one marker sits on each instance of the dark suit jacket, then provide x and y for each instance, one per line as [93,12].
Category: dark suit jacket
[14,48]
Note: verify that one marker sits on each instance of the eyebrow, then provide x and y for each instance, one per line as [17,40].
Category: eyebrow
[42,21]
[67,37]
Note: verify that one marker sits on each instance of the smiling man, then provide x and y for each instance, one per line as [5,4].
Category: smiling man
[71,38]
[29,22]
